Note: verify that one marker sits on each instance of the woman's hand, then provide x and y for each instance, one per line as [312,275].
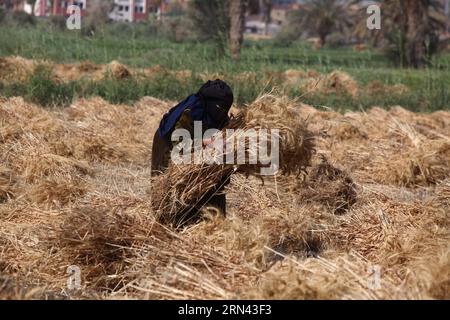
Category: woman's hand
[208,141]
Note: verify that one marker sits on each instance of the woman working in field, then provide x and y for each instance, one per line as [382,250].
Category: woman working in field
[210,105]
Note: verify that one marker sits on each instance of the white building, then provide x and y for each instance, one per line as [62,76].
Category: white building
[130,10]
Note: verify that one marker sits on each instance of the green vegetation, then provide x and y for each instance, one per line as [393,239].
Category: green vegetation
[142,45]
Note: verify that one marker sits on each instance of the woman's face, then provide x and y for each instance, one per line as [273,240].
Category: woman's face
[217,111]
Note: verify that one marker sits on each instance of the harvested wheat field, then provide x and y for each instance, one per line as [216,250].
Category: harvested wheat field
[374,196]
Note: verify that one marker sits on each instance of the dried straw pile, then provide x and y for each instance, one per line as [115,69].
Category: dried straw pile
[75,190]
[313,82]
[335,82]
[182,187]
[17,69]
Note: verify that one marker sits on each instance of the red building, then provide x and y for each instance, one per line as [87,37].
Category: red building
[44,8]
[60,6]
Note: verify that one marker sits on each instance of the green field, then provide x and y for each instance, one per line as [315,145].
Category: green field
[142,46]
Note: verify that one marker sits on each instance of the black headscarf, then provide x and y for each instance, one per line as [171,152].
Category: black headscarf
[218,99]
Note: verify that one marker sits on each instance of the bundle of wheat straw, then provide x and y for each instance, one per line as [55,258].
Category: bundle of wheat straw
[296,141]
[183,187]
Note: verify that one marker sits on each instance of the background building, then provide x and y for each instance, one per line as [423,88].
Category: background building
[60,6]
[133,10]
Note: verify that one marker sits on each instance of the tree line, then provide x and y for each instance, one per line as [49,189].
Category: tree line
[409,31]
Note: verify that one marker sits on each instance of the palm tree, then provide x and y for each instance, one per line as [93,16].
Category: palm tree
[211,21]
[222,21]
[254,6]
[322,17]
[262,8]
[410,27]
[237,26]
[97,15]
[267,14]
